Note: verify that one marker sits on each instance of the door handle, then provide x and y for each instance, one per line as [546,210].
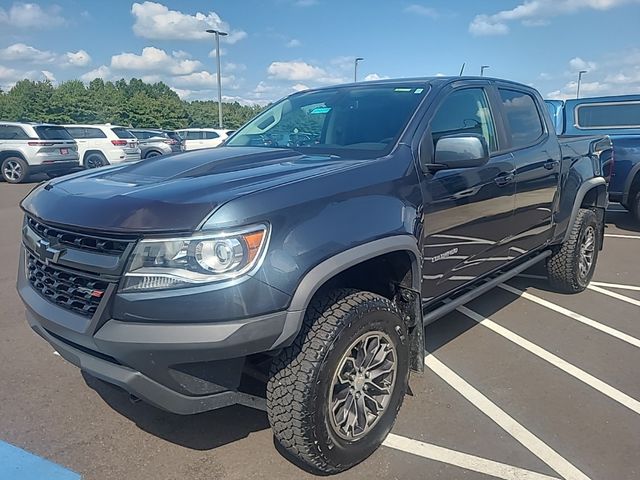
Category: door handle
[504,178]
[551,164]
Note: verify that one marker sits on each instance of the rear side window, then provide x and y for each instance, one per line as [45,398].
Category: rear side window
[465,112]
[94,133]
[609,115]
[522,117]
[12,132]
[122,133]
[49,132]
[211,135]
[76,132]
[191,135]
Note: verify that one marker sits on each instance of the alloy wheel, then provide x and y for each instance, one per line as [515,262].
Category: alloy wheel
[362,385]
[12,170]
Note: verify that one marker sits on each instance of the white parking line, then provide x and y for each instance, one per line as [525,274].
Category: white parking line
[574,315]
[615,295]
[527,439]
[462,460]
[616,285]
[595,383]
[615,235]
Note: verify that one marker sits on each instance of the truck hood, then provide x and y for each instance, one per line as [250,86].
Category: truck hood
[173,193]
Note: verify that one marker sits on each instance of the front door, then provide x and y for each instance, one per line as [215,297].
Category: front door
[468,211]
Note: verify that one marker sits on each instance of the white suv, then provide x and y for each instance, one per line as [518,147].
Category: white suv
[197,138]
[27,148]
[100,145]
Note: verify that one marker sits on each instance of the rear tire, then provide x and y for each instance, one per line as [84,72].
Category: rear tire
[634,206]
[94,160]
[317,389]
[152,153]
[14,170]
[571,267]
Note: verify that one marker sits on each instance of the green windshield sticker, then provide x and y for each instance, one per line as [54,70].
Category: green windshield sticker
[418,90]
[318,110]
[404,90]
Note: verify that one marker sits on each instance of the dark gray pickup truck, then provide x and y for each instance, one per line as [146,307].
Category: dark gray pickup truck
[310,251]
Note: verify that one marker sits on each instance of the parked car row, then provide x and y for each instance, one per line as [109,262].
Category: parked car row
[30,148]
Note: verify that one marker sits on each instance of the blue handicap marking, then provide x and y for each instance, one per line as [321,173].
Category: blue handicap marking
[18,464]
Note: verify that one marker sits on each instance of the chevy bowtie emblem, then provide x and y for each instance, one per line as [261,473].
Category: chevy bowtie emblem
[47,252]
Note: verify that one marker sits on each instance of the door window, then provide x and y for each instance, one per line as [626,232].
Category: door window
[465,112]
[12,132]
[211,135]
[522,116]
[193,135]
[94,133]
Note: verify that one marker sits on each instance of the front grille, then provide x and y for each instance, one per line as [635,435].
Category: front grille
[69,289]
[78,240]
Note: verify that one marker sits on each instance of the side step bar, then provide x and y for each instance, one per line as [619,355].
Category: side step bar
[451,305]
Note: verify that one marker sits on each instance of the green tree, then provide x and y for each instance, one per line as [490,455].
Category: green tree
[134,103]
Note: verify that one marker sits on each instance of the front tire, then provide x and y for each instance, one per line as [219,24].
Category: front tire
[334,394]
[14,170]
[571,267]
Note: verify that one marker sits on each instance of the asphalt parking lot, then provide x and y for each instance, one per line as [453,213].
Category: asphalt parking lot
[520,384]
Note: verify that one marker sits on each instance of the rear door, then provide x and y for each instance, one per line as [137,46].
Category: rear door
[536,156]
[468,211]
[80,136]
[211,139]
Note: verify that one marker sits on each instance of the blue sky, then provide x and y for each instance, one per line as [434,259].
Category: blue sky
[279,46]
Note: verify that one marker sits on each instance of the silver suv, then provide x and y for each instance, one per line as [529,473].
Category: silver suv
[27,148]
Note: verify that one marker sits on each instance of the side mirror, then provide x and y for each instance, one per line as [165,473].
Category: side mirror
[461,151]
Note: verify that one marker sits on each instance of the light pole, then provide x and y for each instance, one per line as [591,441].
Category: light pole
[355,68]
[580,73]
[483,68]
[218,34]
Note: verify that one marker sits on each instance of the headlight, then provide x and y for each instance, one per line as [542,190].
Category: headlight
[187,261]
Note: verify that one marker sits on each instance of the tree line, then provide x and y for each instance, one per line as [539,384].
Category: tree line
[134,103]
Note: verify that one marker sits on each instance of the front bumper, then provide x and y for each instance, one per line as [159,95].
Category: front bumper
[184,368]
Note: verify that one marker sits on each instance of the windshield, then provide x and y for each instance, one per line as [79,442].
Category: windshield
[50,132]
[355,121]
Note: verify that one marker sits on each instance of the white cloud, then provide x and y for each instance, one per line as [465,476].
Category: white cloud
[294,42]
[234,67]
[577,64]
[536,13]
[299,87]
[181,54]
[49,76]
[295,71]
[19,52]
[154,60]
[8,74]
[31,15]
[102,71]
[204,79]
[26,53]
[373,77]
[305,3]
[421,10]
[155,21]
[78,59]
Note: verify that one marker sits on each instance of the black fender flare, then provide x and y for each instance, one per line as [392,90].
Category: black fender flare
[635,170]
[585,188]
[330,267]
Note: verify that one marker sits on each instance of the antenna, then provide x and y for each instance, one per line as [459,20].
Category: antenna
[462,68]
